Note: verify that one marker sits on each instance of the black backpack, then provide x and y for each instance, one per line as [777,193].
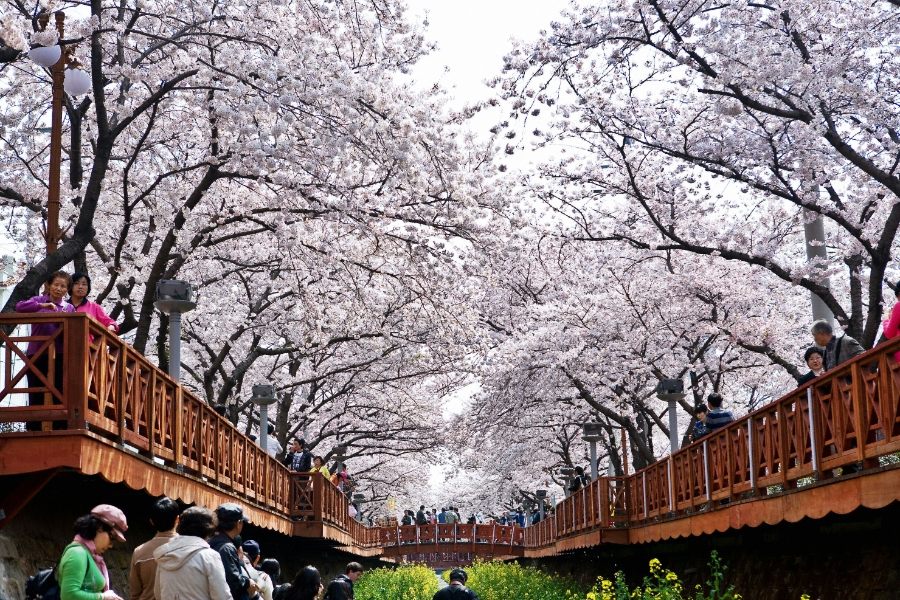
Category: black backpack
[42,586]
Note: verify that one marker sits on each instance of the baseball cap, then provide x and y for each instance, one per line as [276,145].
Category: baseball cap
[251,549]
[231,513]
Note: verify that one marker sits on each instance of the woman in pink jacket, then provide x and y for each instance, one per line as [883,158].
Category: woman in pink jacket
[81,287]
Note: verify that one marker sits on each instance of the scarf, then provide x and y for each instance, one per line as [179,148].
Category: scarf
[98,559]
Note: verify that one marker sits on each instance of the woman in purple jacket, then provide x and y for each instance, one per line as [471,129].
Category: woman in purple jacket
[55,289]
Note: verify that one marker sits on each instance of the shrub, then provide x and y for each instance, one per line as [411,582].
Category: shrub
[505,581]
[406,582]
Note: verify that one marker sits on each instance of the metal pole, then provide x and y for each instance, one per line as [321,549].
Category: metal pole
[264,427]
[58,73]
[594,473]
[624,453]
[673,428]
[175,346]
[814,231]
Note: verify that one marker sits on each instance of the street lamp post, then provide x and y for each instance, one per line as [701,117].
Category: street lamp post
[173,298]
[591,434]
[527,504]
[73,81]
[263,396]
[542,497]
[568,473]
[671,390]
[340,455]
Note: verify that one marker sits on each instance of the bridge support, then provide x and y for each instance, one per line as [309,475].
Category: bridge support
[22,495]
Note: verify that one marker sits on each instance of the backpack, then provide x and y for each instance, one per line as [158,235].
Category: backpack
[44,585]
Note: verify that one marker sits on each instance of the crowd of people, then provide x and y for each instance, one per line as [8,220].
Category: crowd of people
[197,554]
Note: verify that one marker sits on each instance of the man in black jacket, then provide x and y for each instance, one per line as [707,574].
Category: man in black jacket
[457,589]
[342,586]
[231,523]
[299,458]
[421,519]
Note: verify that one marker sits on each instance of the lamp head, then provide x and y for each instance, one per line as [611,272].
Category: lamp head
[263,395]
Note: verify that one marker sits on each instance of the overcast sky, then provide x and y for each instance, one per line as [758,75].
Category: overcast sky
[473,36]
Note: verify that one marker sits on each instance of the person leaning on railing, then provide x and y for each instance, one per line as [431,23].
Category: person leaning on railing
[717,417]
[838,349]
[58,284]
[815,361]
[78,296]
[891,325]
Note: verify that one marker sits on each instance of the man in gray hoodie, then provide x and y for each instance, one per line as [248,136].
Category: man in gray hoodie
[187,568]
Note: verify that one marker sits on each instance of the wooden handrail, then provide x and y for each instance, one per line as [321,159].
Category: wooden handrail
[847,416]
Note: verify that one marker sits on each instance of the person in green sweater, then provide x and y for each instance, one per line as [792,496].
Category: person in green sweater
[82,572]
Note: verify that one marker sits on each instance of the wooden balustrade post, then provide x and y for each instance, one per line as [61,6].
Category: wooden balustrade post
[751,454]
[706,472]
[813,436]
[603,498]
[318,483]
[861,408]
[121,395]
[670,464]
[150,406]
[75,367]
[644,488]
[178,439]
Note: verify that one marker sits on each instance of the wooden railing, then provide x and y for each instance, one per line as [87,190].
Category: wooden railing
[113,391]
[849,415]
[492,538]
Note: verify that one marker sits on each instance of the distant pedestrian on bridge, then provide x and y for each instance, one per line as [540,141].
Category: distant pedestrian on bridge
[457,589]
[299,458]
[814,357]
[717,417]
[82,572]
[163,516]
[231,521]
[342,586]
[78,296]
[838,349]
[451,517]
[421,518]
[442,516]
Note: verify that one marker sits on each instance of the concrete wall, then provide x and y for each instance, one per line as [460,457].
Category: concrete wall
[849,557]
[35,538]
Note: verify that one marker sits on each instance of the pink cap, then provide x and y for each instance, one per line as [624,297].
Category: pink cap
[113,517]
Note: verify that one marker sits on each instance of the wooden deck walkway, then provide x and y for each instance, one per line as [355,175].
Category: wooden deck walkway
[120,417]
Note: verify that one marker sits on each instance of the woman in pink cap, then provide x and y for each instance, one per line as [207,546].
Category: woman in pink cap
[82,572]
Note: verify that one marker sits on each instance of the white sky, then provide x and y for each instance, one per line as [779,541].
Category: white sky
[473,36]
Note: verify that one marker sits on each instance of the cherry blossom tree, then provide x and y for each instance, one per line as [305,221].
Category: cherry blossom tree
[718,130]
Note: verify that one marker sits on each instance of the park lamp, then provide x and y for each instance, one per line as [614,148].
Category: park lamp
[671,391]
[541,495]
[591,433]
[173,298]
[359,498]
[340,455]
[263,396]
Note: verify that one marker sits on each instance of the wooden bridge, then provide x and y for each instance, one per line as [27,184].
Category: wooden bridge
[120,417]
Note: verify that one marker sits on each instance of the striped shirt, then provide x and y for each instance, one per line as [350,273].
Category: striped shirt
[717,418]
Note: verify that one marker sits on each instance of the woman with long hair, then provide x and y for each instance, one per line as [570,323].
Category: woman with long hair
[306,586]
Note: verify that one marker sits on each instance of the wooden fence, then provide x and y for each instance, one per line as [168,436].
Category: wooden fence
[849,415]
[112,391]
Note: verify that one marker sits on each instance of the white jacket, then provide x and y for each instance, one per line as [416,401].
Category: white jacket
[188,569]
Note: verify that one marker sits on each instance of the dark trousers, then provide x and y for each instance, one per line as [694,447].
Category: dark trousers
[42,364]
